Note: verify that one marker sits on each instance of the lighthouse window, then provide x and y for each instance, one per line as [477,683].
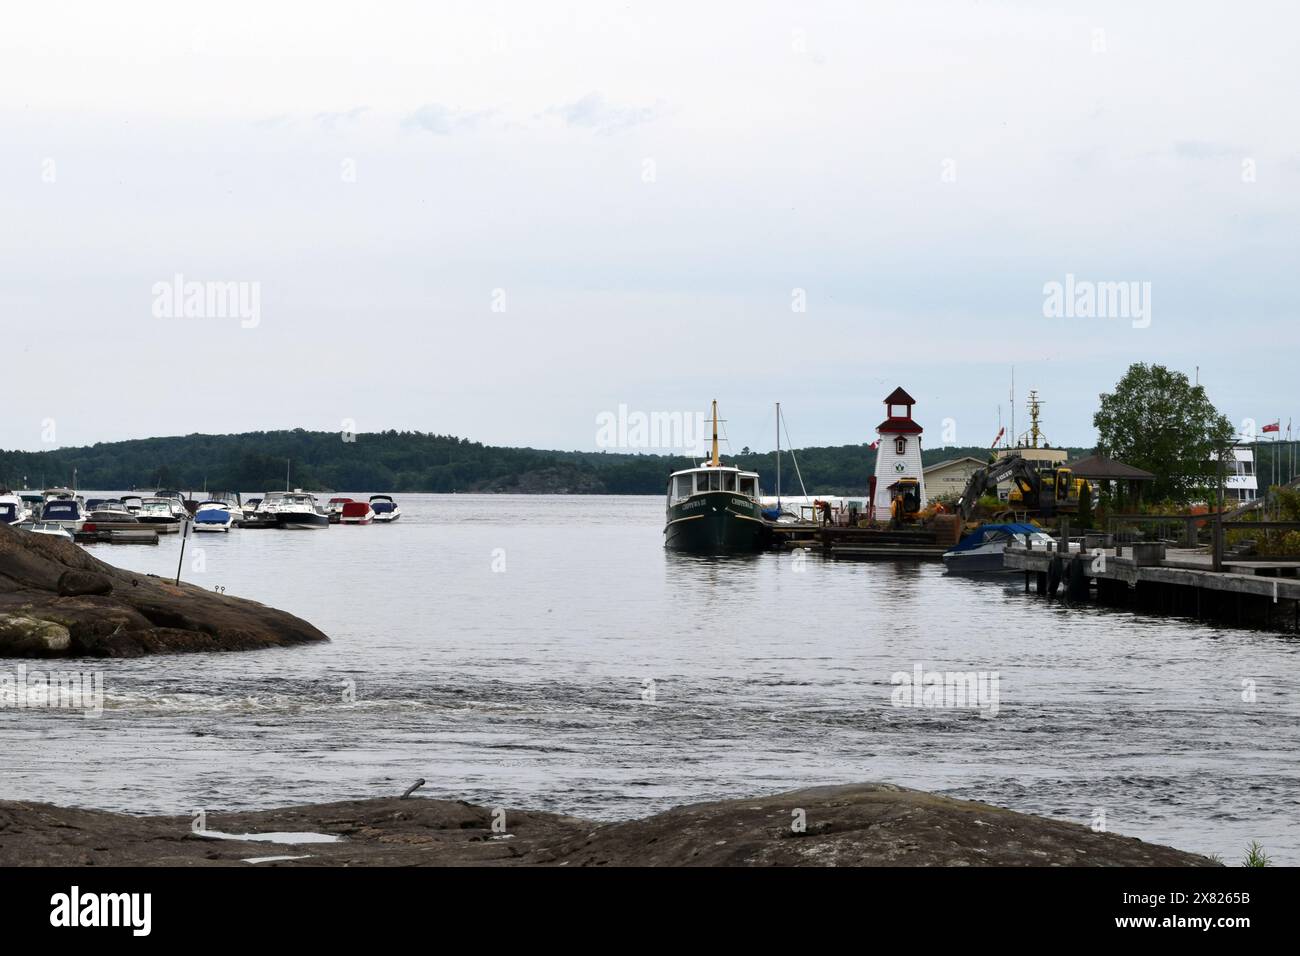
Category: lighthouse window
[900,446]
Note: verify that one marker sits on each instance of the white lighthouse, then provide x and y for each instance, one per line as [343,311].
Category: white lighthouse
[898,449]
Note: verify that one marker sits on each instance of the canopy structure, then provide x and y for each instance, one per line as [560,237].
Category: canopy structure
[1101,468]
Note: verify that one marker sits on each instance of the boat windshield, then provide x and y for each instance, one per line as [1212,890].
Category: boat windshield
[749,486]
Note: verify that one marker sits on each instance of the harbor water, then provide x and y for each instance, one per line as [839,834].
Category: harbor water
[548,653]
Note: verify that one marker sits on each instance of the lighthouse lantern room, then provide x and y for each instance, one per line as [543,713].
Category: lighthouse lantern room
[898,449]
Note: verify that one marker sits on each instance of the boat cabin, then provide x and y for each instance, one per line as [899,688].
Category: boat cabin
[698,481]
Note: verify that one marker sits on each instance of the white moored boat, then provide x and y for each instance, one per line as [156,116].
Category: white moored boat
[385,508]
[294,510]
[214,515]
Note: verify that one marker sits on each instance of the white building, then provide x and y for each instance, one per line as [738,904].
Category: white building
[1240,483]
[898,450]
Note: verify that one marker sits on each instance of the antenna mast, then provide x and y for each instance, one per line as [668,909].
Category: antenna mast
[715,462]
[778,455]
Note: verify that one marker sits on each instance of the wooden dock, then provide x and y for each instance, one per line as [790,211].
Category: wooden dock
[1254,592]
[862,544]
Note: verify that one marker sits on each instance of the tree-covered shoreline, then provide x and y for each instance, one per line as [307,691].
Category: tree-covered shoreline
[412,462]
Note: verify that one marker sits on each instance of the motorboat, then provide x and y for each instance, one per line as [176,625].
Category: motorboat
[356,512]
[214,514]
[65,512]
[51,528]
[294,510]
[334,508]
[132,503]
[385,508]
[980,551]
[167,513]
[13,510]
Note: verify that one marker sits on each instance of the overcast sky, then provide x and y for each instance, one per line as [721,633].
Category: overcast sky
[642,187]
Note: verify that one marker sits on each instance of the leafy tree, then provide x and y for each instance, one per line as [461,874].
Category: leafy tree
[1157,420]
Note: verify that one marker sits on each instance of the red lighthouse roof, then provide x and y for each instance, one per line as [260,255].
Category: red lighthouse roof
[899,424]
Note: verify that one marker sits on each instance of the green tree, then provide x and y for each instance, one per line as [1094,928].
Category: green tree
[1157,420]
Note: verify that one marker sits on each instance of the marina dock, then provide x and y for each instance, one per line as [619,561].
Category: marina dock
[835,541]
[1254,592]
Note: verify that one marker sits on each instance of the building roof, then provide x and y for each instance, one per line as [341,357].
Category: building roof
[898,426]
[952,461]
[1101,468]
[899,397]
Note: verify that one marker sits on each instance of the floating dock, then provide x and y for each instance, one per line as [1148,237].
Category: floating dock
[835,541]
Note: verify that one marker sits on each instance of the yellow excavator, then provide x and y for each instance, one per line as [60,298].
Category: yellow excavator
[1041,492]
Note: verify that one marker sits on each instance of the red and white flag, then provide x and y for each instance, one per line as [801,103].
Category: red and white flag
[875,444]
[1275,427]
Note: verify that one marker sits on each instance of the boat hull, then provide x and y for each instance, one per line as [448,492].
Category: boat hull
[715,522]
[302,521]
[972,562]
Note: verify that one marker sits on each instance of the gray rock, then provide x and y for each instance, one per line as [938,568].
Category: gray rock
[23,636]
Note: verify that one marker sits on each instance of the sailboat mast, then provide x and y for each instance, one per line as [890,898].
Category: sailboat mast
[715,462]
[287,463]
[778,455]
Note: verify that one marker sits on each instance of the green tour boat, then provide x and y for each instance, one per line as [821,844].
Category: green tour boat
[714,509]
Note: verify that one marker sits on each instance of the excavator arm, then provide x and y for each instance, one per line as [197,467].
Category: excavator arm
[986,479]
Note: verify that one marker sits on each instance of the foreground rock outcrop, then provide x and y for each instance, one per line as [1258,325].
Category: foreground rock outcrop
[855,825]
[58,601]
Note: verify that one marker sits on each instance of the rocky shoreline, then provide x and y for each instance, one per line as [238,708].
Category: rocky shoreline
[853,825]
[56,600]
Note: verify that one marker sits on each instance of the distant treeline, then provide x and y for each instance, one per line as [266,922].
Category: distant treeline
[411,462]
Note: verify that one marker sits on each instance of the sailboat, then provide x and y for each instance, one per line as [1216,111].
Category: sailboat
[713,508]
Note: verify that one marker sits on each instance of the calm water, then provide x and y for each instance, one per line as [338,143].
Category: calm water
[524,685]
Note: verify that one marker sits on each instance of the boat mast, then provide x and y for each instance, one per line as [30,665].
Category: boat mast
[778,456]
[287,462]
[714,463]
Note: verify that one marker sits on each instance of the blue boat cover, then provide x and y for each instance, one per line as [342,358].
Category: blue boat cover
[8,511]
[382,507]
[60,511]
[212,516]
[978,536]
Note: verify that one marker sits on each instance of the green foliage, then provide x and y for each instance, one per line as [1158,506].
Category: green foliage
[1085,516]
[1255,856]
[1157,420]
[411,461]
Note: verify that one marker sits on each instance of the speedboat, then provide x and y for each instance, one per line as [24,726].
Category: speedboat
[168,512]
[33,501]
[213,515]
[334,508]
[12,509]
[64,512]
[294,510]
[132,503]
[385,508]
[980,551]
[356,512]
[52,528]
